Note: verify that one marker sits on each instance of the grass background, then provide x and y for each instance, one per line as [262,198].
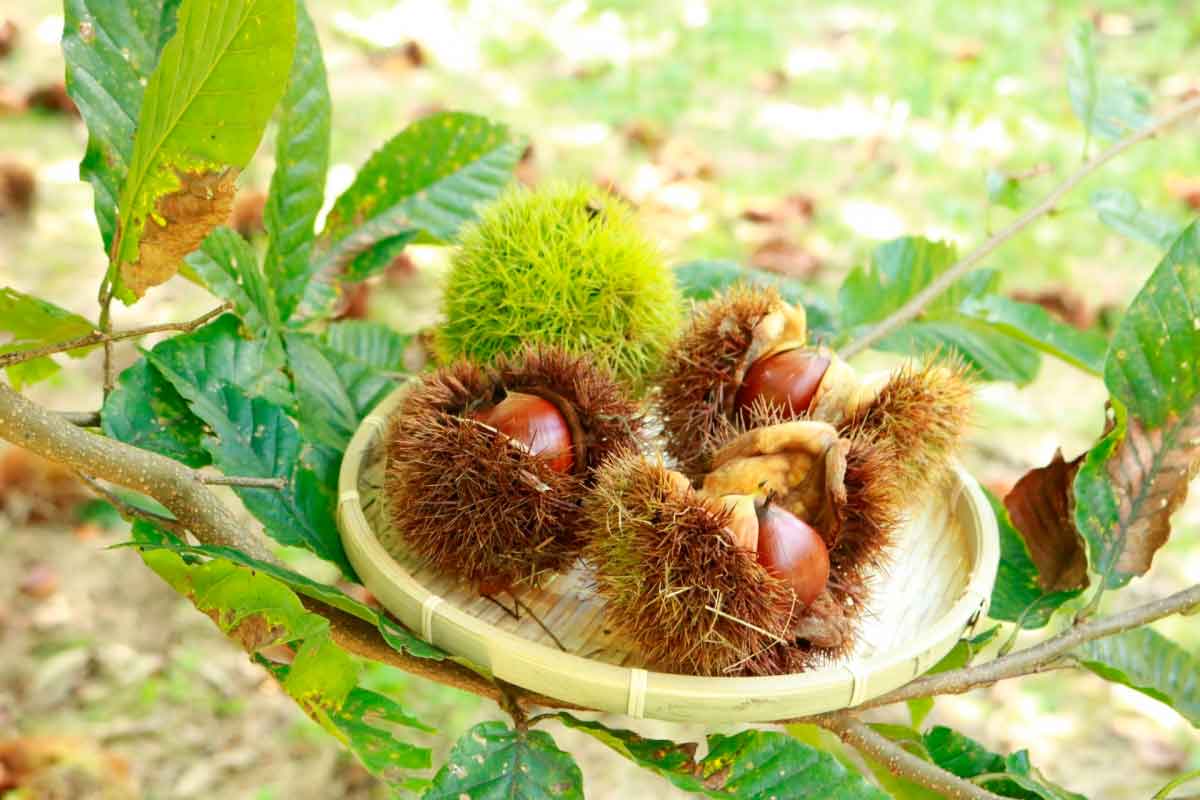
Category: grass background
[877,119]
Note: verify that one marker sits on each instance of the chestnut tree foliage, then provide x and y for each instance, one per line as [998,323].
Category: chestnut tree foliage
[177,96]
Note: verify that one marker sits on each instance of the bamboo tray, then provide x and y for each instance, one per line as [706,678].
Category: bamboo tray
[935,592]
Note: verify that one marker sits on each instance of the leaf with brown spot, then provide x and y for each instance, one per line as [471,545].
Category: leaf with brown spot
[204,110]
[181,221]
[1041,506]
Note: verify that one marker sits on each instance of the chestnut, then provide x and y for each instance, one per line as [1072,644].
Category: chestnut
[787,380]
[791,550]
[537,424]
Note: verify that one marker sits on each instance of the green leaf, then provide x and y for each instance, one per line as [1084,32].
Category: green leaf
[1012,776]
[145,411]
[700,280]
[33,323]
[1003,190]
[255,438]
[1121,211]
[257,610]
[752,764]
[370,343]
[1108,106]
[334,394]
[301,161]
[918,709]
[1145,660]
[229,268]
[395,634]
[1151,366]
[902,268]
[110,48]
[1034,326]
[428,180]
[203,113]
[492,762]
[1017,596]
[964,651]
[217,355]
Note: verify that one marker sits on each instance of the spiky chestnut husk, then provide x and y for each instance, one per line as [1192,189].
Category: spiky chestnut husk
[471,503]
[565,265]
[703,371]
[675,584]
[923,411]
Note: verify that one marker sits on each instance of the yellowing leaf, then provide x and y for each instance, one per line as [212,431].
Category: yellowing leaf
[204,111]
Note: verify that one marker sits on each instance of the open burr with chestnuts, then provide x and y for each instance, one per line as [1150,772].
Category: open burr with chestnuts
[488,466]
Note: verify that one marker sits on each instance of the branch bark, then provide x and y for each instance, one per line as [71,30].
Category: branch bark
[899,761]
[1041,656]
[910,310]
[28,425]
[107,338]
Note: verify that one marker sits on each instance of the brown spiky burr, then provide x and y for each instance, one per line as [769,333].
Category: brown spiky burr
[685,581]
[468,496]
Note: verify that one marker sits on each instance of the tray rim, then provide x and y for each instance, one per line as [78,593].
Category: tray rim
[638,692]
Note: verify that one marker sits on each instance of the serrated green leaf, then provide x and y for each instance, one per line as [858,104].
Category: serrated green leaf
[426,181]
[1034,326]
[1012,776]
[32,323]
[258,610]
[751,765]
[1145,660]
[334,394]
[370,343]
[144,410]
[492,762]
[217,355]
[899,270]
[206,105]
[395,634]
[229,268]
[1108,105]
[1017,596]
[301,161]
[376,258]
[1124,213]
[110,48]
[1151,365]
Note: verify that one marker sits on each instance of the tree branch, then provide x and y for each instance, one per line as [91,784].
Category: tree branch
[107,338]
[941,283]
[899,761]
[1040,657]
[28,425]
[238,480]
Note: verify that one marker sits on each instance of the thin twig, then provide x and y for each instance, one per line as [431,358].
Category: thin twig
[941,283]
[900,762]
[1042,656]
[105,336]
[127,509]
[538,620]
[238,480]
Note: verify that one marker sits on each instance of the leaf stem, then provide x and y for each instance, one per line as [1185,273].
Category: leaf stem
[106,337]
[900,762]
[944,281]
[1175,783]
[127,509]
[237,480]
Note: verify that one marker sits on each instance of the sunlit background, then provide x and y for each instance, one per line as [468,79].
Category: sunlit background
[794,136]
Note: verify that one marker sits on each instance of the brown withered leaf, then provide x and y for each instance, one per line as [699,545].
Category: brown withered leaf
[779,254]
[1042,507]
[203,201]
[1150,471]
[1185,189]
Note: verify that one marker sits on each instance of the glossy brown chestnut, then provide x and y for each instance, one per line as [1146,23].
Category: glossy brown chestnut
[786,380]
[536,423]
[791,550]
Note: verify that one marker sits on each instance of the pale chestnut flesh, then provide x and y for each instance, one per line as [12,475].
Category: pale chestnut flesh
[791,550]
[537,424]
[786,381]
